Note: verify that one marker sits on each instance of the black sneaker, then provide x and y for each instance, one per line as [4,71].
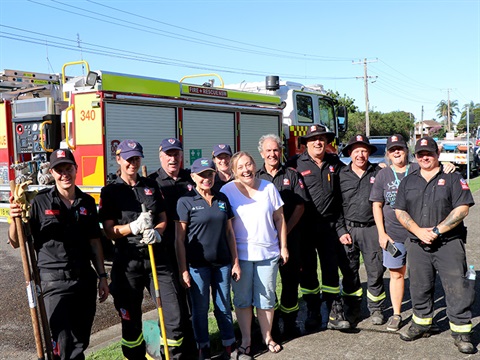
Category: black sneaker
[414,332]
[464,343]
[313,321]
[394,323]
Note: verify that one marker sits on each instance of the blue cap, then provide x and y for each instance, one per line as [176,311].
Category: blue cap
[129,148]
[222,149]
[202,164]
[170,144]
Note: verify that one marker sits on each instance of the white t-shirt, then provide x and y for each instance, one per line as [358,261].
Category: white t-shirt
[253,223]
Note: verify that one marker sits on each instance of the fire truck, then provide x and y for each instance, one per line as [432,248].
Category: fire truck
[91,114]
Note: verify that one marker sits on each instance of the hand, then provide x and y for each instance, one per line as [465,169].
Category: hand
[346,239]
[151,236]
[236,272]
[15,208]
[448,168]
[284,255]
[383,239]
[143,222]
[426,235]
[103,290]
[185,277]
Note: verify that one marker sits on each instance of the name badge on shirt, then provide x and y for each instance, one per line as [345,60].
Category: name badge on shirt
[306,172]
[441,182]
[286,182]
[372,179]
[83,211]
[148,191]
[52,212]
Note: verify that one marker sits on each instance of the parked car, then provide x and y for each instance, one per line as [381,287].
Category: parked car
[376,157]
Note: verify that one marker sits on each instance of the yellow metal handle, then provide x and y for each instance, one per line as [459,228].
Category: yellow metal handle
[87,67]
[41,135]
[203,75]
[67,110]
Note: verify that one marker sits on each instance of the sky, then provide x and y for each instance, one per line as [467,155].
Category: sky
[418,52]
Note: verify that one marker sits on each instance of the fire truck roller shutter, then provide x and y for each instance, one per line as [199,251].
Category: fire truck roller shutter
[204,129]
[252,127]
[146,124]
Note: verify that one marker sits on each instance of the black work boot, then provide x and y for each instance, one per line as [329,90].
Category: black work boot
[464,343]
[336,318]
[290,328]
[414,332]
[313,320]
[353,309]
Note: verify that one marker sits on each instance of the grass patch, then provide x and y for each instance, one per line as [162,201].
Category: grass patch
[112,352]
[474,184]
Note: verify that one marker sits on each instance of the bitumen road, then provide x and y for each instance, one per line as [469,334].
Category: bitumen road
[367,342]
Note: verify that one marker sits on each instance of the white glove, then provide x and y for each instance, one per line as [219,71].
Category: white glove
[151,236]
[144,221]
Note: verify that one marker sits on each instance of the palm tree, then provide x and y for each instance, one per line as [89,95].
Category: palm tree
[447,110]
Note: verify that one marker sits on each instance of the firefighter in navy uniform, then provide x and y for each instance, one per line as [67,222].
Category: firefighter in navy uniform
[132,230]
[358,233]
[431,205]
[293,193]
[66,236]
[320,173]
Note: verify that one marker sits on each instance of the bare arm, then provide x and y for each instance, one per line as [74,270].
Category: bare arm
[181,232]
[455,217]
[295,218]
[383,238]
[232,245]
[98,263]
[281,227]
[424,234]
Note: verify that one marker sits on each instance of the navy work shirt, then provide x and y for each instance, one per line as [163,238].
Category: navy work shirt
[206,239]
[123,204]
[61,236]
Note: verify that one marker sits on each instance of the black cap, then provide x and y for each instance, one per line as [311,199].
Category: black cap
[358,139]
[315,130]
[396,140]
[61,156]
[426,144]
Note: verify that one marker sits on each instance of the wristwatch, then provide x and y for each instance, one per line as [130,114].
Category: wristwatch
[436,231]
[103,275]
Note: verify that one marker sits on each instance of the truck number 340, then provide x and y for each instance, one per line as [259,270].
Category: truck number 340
[87,115]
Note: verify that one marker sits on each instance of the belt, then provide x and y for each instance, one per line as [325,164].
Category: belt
[360,224]
[60,274]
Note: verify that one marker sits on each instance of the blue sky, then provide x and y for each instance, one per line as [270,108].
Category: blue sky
[423,47]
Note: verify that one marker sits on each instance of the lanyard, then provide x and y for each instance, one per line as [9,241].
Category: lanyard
[397,182]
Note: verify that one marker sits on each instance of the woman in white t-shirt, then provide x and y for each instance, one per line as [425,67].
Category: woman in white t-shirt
[261,237]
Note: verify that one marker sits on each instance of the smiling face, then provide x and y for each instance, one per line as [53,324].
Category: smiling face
[244,170]
[222,162]
[397,155]
[204,180]
[271,153]
[427,160]
[130,167]
[64,175]
[171,161]
[316,146]
[359,155]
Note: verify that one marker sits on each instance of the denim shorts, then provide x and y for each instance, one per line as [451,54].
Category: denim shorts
[257,284]
[395,263]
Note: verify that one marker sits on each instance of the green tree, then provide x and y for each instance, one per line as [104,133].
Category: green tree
[474,110]
[442,110]
[381,124]
[344,100]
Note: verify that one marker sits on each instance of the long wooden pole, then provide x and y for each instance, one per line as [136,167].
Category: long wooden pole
[30,285]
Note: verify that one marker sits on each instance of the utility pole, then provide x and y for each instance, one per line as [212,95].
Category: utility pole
[448,111]
[365,78]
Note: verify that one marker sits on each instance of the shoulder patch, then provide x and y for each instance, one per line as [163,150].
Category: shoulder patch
[464,184]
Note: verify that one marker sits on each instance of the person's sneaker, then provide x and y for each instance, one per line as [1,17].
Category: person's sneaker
[313,321]
[377,318]
[394,322]
[204,353]
[464,343]
[414,332]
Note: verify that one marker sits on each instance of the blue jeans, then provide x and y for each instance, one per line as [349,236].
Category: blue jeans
[218,278]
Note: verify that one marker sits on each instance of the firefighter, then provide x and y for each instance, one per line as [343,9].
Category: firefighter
[293,193]
[132,230]
[358,233]
[66,236]
[221,156]
[431,205]
[320,173]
